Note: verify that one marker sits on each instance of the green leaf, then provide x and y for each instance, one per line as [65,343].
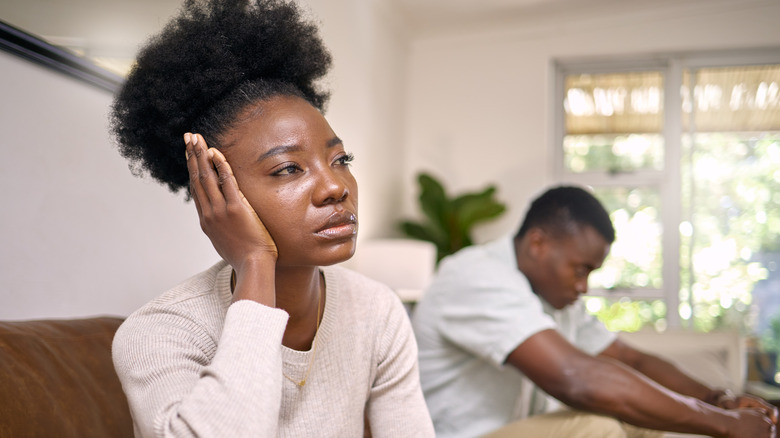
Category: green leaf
[426,233]
[434,201]
[449,221]
[473,208]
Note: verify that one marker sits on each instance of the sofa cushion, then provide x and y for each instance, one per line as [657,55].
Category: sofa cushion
[717,359]
[57,379]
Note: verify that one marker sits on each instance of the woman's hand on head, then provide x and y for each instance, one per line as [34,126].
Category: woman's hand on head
[226,216]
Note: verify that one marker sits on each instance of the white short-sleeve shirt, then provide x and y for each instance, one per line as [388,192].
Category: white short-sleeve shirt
[477,310]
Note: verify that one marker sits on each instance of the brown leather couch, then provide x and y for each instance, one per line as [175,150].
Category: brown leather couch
[57,380]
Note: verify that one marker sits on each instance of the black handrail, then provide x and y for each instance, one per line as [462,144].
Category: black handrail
[34,49]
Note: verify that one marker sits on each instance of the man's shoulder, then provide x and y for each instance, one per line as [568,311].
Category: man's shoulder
[495,254]
[477,277]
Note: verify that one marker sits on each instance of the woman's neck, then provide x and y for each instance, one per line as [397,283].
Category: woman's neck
[300,291]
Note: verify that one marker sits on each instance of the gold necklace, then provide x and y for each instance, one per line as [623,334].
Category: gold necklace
[313,347]
[314,341]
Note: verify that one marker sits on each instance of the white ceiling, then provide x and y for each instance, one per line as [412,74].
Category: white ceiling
[117,22]
[438,15]
[116,28]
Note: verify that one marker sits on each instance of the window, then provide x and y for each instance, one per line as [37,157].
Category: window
[684,152]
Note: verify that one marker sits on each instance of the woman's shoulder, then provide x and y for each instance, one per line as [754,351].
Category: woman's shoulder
[200,301]
[209,287]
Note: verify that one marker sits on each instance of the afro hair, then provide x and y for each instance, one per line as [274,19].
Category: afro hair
[558,208]
[211,61]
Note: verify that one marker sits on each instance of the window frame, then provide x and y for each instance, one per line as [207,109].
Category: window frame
[668,180]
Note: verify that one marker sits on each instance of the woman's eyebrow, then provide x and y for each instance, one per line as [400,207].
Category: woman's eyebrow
[335,141]
[279,150]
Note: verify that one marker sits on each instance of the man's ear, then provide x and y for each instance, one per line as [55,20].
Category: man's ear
[537,243]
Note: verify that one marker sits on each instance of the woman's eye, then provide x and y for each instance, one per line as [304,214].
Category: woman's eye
[345,159]
[287,170]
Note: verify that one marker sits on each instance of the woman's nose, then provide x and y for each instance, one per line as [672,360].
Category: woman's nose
[331,188]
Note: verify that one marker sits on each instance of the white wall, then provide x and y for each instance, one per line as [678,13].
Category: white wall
[81,236]
[479,102]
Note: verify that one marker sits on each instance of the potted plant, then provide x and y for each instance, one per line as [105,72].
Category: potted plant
[449,220]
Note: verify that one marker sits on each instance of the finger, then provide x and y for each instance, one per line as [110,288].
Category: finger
[196,190]
[769,410]
[229,183]
[206,175]
[751,401]
[772,429]
[197,202]
[226,178]
[246,202]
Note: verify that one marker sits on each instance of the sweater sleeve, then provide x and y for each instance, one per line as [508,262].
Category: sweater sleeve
[396,406]
[179,383]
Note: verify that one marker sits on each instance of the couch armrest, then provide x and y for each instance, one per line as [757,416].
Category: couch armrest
[57,379]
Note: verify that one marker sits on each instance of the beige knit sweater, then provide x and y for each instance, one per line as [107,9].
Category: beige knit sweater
[193,364]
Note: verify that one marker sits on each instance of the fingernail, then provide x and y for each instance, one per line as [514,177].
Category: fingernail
[187,137]
[194,139]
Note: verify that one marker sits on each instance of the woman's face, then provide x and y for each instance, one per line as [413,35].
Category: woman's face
[294,171]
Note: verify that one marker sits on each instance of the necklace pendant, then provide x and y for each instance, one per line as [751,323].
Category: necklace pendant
[302,382]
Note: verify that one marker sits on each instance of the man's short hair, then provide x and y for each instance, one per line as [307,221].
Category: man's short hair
[560,209]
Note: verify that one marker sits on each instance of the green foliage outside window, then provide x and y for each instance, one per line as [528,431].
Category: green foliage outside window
[635,257]
[625,315]
[613,153]
[729,229]
[735,193]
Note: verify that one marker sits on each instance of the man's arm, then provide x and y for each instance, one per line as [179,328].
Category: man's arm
[673,378]
[607,386]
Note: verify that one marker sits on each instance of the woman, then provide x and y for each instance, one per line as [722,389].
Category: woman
[266,342]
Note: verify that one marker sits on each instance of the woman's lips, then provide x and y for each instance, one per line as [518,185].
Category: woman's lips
[339,226]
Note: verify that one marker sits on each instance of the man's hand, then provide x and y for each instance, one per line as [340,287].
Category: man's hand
[729,401]
[752,423]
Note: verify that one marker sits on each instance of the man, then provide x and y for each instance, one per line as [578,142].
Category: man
[502,328]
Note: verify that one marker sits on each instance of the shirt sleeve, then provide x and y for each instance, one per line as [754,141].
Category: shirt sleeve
[488,310]
[180,383]
[396,406]
[592,335]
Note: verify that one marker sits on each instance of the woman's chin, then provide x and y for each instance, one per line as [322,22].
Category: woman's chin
[332,255]
[340,256]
